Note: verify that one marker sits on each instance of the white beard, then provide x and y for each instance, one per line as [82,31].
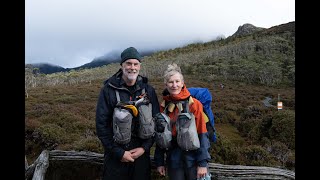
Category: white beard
[130,76]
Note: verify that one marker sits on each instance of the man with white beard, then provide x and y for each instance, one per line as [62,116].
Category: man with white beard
[118,121]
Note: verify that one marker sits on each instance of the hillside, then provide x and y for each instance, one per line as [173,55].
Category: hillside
[60,107]
[264,57]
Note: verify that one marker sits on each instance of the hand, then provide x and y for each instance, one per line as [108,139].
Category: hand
[136,152]
[201,172]
[127,157]
[161,170]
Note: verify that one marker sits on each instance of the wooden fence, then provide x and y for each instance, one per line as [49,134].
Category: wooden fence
[38,170]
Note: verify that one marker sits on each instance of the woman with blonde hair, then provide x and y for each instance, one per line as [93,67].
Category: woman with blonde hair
[182,163]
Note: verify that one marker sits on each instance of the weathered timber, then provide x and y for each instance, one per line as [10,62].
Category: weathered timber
[218,171]
[30,169]
[29,172]
[92,157]
[41,166]
[74,165]
[26,165]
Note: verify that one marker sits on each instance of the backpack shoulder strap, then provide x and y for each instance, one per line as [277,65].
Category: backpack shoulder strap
[165,110]
[185,106]
[117,95]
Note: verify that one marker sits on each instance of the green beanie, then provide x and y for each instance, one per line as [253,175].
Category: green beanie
[130,53]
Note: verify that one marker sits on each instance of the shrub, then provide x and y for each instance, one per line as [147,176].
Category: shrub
[90,143]
[280,151]
[39,110]
[257,156]
[283,127]
[51,134]
[248,125]
[224,151]
[290,163]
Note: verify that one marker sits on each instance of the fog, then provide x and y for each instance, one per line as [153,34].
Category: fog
[70,33]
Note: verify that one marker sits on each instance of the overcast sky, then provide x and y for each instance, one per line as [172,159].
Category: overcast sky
[70,33]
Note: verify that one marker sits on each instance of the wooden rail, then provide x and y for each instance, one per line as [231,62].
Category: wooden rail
[219,171]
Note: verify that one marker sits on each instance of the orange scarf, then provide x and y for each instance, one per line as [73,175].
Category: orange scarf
[195,107]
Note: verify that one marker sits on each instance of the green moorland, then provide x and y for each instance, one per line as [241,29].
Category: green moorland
[60,107]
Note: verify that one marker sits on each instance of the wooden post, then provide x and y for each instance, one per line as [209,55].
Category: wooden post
[279,105]
[25,163]
[41,167]
[29,172]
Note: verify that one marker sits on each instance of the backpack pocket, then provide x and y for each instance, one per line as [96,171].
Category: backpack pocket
[146,122]
[187,135]
[163,135]
[122,120]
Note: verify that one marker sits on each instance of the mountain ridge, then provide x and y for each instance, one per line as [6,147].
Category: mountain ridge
[243,30]
[48,68]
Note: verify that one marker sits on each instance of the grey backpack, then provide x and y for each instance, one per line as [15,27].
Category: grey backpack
[163,135]
[146,121]
[187,135]
[122,120]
